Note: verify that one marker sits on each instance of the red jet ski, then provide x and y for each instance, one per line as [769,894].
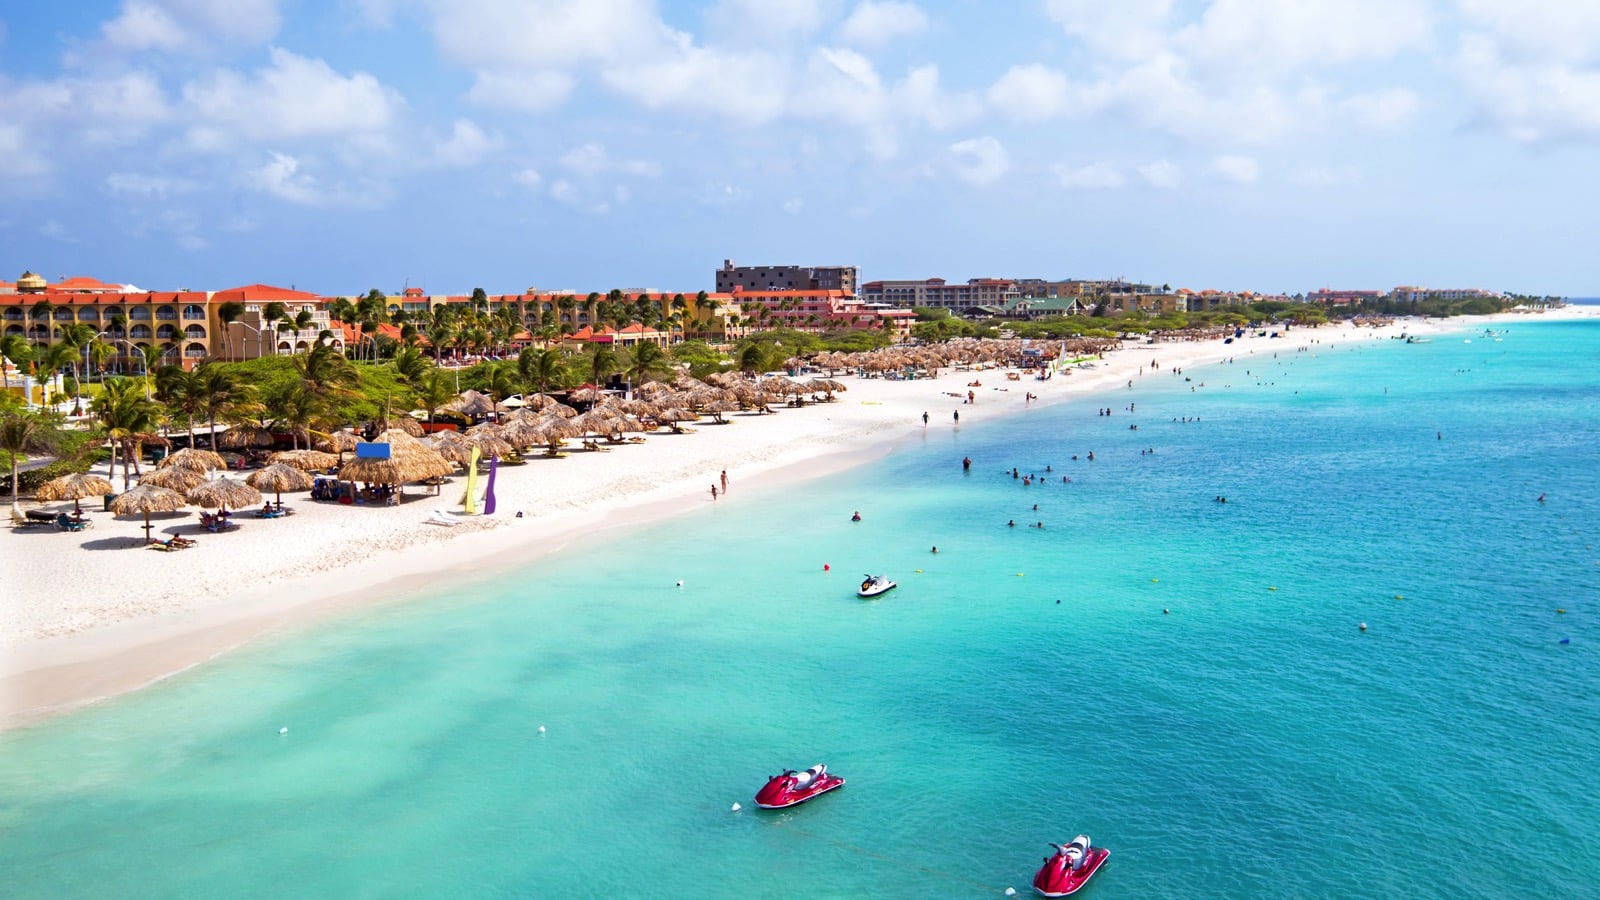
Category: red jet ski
[1070,868]
[793,787]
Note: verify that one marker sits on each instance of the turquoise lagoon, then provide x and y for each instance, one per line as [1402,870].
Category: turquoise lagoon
[1185,680]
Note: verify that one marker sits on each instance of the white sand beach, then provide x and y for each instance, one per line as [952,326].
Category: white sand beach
[89,615]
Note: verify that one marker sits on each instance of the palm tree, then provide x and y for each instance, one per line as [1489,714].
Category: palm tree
[229,313]
[16,349]
[182,391]
[434,391]
[125,415]
[27,431]
[645,362]
[410,365]
[295,407]
[78,336]
[541,367]
[602,363]
[500,381]
[53,358]
[152,357]
[222,394]
[273,312]
[41,310]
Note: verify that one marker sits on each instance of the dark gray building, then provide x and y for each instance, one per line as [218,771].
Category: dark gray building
[785,278]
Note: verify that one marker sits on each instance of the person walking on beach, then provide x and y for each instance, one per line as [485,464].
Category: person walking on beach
[724,481]
[958,416]
[924,418]
[713,492]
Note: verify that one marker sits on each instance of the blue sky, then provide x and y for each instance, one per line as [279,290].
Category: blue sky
[588,144]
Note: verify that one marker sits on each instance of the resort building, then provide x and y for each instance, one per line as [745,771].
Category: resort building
[785,278]
[820,311]
[1412,294]
[1341,298]
[997,292]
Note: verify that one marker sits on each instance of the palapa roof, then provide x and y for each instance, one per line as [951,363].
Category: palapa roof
[304,459]
[174,478]
[146,499]
[192,458]
[224,492]
[279,477]
[74,487]
[409,460]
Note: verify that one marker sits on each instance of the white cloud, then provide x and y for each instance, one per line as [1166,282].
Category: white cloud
[746,86]
[1384,109]
[143,185]
[1161,174]
[1237,169]
[1036,93]
[528,178]
[1531,101]
[874,23]
[547,35]
[568,194]
[282,177]
[1122,30]
[1256,34]
[527,91]
[1094,175]
[979,161]
[841,84]
[466,146]
[738,19]
[294,97]
[191,24]
[592,159]
[1561,30]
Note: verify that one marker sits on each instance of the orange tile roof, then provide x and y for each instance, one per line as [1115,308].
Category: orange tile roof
[257,293]
[83,283]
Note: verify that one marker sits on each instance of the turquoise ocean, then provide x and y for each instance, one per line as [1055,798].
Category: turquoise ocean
[1182,679]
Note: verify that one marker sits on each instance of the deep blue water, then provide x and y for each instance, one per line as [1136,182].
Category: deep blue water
[1183,679]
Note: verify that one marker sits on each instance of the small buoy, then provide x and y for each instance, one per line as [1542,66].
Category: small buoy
[541,729]
[680,582]
[1011,892]
[1019,574]
[737,807]
[1154,580]
[1566,640]
[1399,596]
[1166,612]
[1271,587]
[283,730]
[825,567]
[919,571]
[1362,626]
[1560,611]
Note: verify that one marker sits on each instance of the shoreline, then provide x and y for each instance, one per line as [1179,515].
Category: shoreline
[81,653]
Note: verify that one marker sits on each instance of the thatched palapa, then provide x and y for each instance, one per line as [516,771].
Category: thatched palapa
[74,487]
[278,478]
[221,493]
[175,478]
[193,458]
[146,499]
[311,460]
[408,460]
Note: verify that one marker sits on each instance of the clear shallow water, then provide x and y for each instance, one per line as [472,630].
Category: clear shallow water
[974,717]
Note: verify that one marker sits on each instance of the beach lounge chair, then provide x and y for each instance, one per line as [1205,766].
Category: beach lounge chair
[18,520]
[67,523]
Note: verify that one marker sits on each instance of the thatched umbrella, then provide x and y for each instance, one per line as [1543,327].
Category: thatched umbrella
[409,460]
[241,436]
[74,487]
[474,404]
[193,458]
[586,395]
[717,407]
[672,416]
[278,478]
[338,442]
[224,492]
[451,445]
[489,440]
[827,385]
[552,431]
[313,460]
[174,478]
[147,499]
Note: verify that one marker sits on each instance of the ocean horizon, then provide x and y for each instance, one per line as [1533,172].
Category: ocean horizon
[1371,664]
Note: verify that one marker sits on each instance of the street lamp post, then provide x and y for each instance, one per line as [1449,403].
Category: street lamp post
[257,333]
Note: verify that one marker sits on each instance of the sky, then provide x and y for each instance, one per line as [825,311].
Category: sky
[342,145]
